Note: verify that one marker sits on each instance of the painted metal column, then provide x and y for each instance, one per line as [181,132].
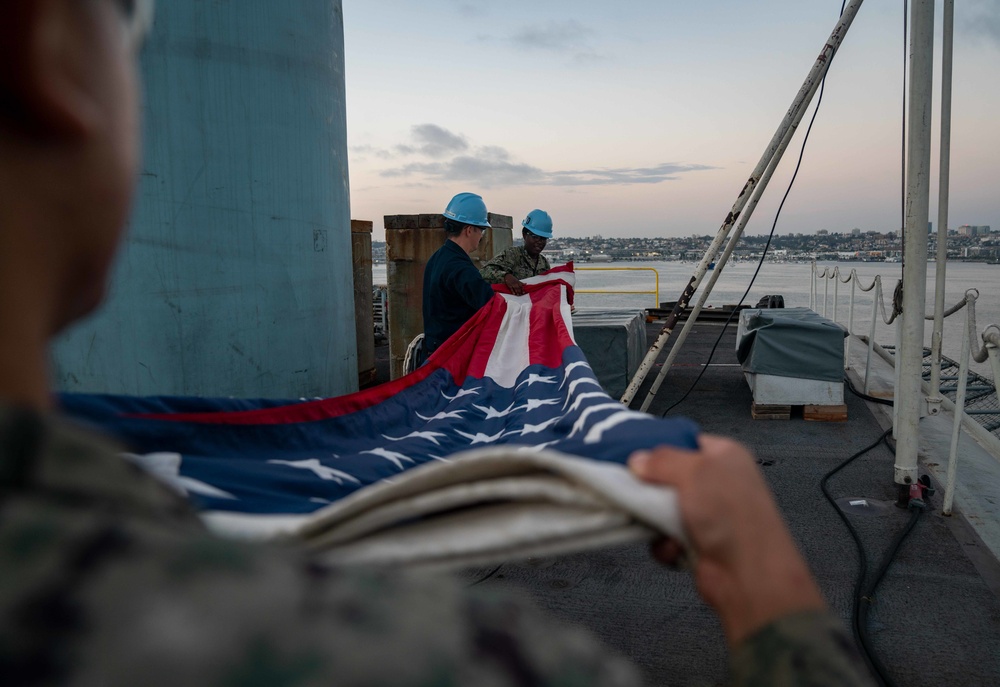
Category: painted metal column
[908,391]
[948,32]
[791,120]
[235,278]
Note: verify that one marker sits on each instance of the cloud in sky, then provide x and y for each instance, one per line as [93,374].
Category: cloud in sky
[471,10]
[433,141]
[666,171]
[492,166]
[484,170]
[984,19]
[568,37]
[363,151]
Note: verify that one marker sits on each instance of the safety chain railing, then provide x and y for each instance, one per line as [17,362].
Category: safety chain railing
[989,350]
[878,304]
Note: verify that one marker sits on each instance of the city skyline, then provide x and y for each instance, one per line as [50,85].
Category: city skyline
[645,119]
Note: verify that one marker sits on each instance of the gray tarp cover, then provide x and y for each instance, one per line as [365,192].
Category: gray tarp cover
[614,342]
[791,342]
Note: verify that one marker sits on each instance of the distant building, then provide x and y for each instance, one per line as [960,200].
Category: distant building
[973,230]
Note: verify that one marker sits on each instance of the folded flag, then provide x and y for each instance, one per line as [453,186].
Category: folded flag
[512,379]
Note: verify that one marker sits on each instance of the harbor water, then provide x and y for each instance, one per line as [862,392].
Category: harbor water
[791,280]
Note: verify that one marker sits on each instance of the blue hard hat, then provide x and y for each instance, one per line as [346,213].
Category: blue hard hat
[467,208]
[538,223]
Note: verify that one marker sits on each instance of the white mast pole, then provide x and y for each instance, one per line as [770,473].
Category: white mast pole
[908,391]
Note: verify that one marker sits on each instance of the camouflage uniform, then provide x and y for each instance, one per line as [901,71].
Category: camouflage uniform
[515,260]
[107,578]
[806,649]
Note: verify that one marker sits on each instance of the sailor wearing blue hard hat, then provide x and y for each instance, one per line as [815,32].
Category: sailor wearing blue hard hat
[520,262]
[453,287]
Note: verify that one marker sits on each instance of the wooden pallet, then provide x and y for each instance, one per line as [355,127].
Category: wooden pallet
[825,413]
[759,411]
[811,413]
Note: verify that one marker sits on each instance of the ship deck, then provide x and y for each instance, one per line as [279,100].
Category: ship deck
[934,619]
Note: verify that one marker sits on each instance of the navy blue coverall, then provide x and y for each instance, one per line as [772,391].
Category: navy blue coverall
[453,292]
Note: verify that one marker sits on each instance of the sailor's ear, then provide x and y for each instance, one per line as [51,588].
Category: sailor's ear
[45,91]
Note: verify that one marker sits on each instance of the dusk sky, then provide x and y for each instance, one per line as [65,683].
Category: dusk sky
[642,118]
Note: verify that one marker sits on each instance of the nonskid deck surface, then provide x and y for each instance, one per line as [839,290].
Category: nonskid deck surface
[935,617]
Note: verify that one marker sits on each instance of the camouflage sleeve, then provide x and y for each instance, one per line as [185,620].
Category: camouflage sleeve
[805,649]
[495,270]
[213,613]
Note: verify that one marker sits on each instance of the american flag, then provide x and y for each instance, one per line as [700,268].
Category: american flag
[511,377]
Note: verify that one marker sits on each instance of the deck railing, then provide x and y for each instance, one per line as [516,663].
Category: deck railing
[655,292]
[988,350]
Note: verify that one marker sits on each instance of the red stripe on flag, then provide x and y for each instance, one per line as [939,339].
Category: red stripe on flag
[548,336]
[308,411]
[467,351]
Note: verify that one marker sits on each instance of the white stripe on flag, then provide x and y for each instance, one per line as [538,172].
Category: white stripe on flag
[568,277]
[509,356]
[566,313]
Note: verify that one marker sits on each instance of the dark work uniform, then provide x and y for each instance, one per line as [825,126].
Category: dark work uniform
[453,292]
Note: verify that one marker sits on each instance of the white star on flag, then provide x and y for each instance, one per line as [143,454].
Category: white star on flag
[492,413]
[429,436]
[462,392]
[167,467]
[534,429]
[479,437]
[535,378]
[535,403]
[393,456]
[320,470]
[443,415]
